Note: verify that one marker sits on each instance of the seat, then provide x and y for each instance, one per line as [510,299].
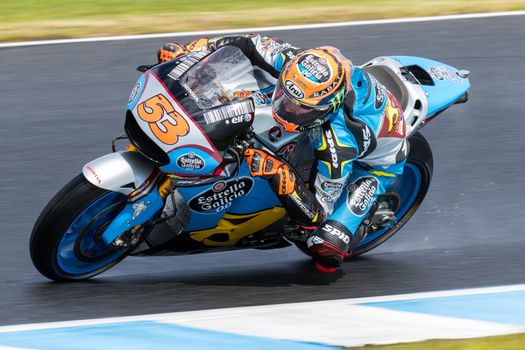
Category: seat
[391,81]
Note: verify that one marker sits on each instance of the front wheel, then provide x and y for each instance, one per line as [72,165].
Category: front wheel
[65,243]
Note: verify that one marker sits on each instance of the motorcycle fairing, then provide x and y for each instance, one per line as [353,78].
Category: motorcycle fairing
[125,172]
[256,195]
[447,84]
[163,119]
[232,227]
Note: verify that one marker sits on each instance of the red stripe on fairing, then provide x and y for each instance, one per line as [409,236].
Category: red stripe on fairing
[149,182]
[215,154]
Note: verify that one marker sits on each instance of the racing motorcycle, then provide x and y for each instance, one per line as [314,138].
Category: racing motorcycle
[181,185]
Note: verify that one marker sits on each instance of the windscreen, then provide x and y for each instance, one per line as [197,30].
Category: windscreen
[215,79]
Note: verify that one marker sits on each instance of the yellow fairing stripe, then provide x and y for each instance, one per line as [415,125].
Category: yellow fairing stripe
[234,230]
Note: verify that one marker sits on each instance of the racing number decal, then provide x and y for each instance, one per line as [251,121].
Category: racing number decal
[171,128]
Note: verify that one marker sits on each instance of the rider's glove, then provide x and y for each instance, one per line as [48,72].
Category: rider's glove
[198,45]
[170,51]
[265,165]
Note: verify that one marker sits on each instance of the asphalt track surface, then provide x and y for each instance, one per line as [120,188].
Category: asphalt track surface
[62,104]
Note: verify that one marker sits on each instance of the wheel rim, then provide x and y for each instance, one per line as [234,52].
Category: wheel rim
[407,186]
[81,251]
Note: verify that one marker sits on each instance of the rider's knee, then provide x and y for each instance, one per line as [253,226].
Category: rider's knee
[362,194]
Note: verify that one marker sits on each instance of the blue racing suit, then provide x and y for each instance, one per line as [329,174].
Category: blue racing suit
[359,151]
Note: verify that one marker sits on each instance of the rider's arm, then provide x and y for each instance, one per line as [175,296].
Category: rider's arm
[267,53]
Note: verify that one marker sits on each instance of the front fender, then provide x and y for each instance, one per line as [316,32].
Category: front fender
[126,172]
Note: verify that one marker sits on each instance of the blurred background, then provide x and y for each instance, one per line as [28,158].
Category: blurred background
[44,19]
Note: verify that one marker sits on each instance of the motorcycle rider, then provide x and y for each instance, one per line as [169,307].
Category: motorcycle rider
[355,126]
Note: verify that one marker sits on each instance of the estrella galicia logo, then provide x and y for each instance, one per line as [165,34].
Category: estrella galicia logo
[293,89]
[190,161]
[315,68]
[221,195]
[361,194]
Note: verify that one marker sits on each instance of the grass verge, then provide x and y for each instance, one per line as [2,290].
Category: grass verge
[504,342]
[38,19]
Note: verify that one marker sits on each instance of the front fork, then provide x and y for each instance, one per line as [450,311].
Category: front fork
[128,224]
[145,186]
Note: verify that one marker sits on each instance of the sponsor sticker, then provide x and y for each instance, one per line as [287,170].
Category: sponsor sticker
[261,99]
[380,94]
[272,46]
[331,187]
[327,199]
[443,73]
[331,147]
[361,195]
[293,89]
[94,173]
[134,92]
[288,150]
[315,68]
[221,195]
[367,140]
[138,209]
[393,123]
[300,204]
[190,161]
[239,119]
[331,230]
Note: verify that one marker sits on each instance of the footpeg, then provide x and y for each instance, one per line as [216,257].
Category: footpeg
[383,217]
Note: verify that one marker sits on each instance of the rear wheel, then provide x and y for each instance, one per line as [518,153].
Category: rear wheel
[412,186]
[65,243]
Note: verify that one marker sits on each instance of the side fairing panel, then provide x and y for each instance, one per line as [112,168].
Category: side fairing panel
[240,195]
[448,85]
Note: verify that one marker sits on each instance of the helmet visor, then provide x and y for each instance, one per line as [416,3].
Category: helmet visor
[288,109]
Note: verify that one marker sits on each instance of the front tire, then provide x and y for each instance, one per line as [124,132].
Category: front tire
[65,244]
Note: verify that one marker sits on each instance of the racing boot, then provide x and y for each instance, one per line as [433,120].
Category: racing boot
[332,243]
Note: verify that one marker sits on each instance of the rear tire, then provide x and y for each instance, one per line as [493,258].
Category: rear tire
[65,244]
[419,160]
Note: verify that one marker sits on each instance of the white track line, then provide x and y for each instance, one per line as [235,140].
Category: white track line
[264,29]
[233,311]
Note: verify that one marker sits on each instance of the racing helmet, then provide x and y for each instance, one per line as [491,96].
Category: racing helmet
[311,86]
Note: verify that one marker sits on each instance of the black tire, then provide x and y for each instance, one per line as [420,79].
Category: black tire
[56,218]
[421,156]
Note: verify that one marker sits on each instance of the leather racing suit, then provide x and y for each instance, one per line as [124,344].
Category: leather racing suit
[359,152]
